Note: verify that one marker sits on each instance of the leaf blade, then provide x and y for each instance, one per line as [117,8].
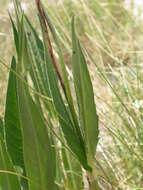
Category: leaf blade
[40,168]
[7,181]
[85,98]
[12,123]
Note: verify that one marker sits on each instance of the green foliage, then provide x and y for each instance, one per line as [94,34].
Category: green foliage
[85,98]
[12,122]
[1,128]
[8,178]
[45,137]
[110,39]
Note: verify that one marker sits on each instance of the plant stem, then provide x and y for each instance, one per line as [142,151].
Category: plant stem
[93,184]
[50,49]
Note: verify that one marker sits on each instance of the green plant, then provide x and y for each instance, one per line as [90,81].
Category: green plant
[110,37]
[46,141]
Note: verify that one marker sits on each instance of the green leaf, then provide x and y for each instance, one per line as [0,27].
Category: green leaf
[1,128]
[68,129]
[8,181]
[65,78]
[73,171]
[85,98]
[12,122]
[38,68]
[39,155]
[36,52]
[40,166]
[15,33]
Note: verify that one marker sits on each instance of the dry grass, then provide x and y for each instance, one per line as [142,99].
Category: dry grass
[5,50]
[6,42]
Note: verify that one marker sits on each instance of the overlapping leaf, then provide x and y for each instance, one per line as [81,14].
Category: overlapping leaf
[12,122]
[85,97]
[39,155]
[8,181]
[64,118]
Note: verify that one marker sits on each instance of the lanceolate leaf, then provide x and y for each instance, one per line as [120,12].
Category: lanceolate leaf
[38,67]
[36,51]
[64,118]
[12,123]
[40,166]
[65,78]
[39,155]
[7,181]
[66,124]
[85,97]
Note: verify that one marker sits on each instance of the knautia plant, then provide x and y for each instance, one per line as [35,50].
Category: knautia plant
[48,140]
